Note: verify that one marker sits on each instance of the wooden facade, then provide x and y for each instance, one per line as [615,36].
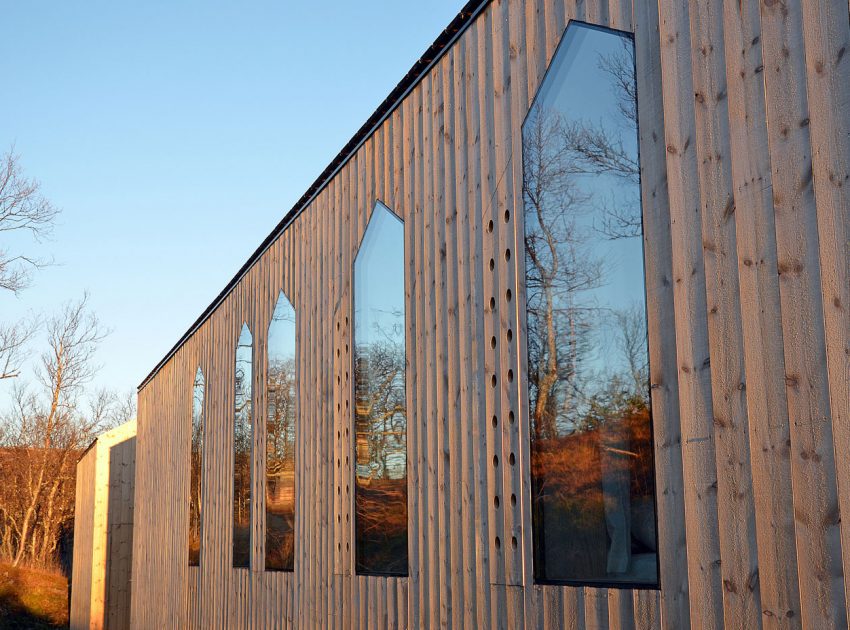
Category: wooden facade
[103,532]
[744,111]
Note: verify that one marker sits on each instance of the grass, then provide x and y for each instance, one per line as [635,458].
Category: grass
[32,598]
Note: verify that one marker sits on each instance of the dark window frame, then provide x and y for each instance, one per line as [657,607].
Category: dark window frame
[252,503]
[353,393]
[296,431]
[615,584]
[202,475]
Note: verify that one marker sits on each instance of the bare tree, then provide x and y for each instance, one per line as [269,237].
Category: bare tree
[597,147]
[631,339]
[560,268]
[13,340]
[22,209]
[44,433]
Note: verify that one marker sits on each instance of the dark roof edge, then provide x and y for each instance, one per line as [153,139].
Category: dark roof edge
[423,65]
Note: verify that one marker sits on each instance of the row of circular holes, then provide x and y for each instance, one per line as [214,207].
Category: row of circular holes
[494,380]
[338,436]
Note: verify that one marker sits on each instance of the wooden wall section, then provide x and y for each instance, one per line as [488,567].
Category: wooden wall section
[103,532]
[745,147]
[82,567]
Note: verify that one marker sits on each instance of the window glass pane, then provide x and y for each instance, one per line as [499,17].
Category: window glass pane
[196,468]
[380,495]
[280,439]
[593,500]
[242,438]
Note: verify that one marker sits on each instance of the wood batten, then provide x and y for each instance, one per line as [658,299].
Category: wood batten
[760,315]
[826,32]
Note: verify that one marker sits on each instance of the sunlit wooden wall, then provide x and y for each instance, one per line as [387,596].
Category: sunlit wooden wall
[745,147]
[103,532]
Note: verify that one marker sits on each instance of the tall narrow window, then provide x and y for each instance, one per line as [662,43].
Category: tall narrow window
[593,496]
[196,467]
[280,439]
[242,438]
[380,417]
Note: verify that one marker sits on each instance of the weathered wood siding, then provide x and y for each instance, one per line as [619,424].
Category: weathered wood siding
[103,532]
[81,571]
[745,146]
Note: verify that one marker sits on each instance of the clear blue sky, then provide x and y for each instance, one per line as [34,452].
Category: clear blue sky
[175,135]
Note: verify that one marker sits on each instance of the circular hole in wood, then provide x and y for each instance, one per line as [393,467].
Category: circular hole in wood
[339,546]
[347,490]
[507,254]
[337,325]
[346,321]
[512,459]
[346,406]
[507,215]
[337,352]
[490,227]
[346,460]
[511,417]
[513,542]
[498,543]
[492,303]
[492,264]
[508,295]
[347,546]
[496,501]
[337,380]
[495,460]
[495,422]
[509,335]
[338,518]
[338,490]
[337,433]
[493,380]
[493,342]
[338,463]
[346,518]
[346,348]
[510,376]
[513,499]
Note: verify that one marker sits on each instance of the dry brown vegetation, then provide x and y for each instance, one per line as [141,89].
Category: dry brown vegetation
[32,598]
[43,435]
[569,475]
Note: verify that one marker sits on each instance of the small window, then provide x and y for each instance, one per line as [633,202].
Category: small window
[280,439]
[380,496]
[196,470]
[243,436]
[593,489]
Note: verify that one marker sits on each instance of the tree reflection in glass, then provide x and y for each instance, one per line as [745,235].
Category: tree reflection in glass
[196,469]
[280,439]
[593,504]
[242,438]
[380,495]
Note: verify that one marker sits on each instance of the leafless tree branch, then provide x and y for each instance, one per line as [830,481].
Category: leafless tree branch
[22,209]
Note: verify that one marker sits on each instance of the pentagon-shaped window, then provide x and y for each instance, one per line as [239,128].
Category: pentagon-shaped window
[243,436]
[380,406]
[593,487]
[196,469]
[281,420]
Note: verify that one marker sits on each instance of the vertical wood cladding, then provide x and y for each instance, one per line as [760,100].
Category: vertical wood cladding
[744,111]
[103,532]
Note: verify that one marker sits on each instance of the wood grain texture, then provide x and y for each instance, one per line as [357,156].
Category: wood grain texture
[103,532]
[744,109]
